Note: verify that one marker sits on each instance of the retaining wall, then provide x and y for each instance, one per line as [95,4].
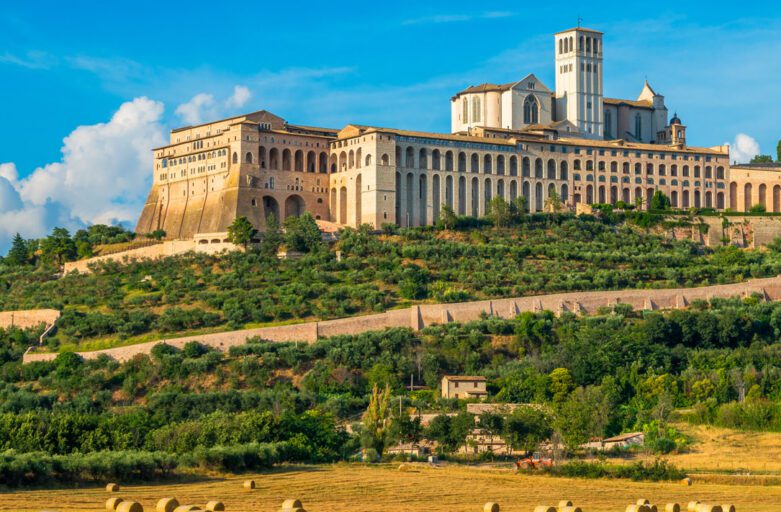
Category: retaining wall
[28,318]
[418,317]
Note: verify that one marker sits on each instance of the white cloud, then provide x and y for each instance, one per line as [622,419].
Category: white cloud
[743,149]
[103,176]
[241,95]
[204,107]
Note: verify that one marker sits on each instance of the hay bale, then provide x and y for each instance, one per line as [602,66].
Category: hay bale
[570,509]
[707,507]
[564,503]
[692,506]
[728,508]
[112,487]
[187,508]
[672,507]
[113,503]
[215,506]
[491,507]
[653,508]
[544,508]
[686,481]
[167,505]
[291,504]
[638,508]
[405,467]
[130,506]
[249,484]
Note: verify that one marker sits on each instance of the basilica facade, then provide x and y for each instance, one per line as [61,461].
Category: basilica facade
[519,139]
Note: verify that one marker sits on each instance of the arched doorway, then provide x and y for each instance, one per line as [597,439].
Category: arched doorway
[270,207]
[294,206]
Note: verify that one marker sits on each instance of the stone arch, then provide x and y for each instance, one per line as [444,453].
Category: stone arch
[435,160]
[368,160]
[526,192]
[513,190]
[500,192]
[589,194]
[564,193]
[538,168]
[449,191]
[747,189]
[697,199]
[435,197]
[539,201]
[461,161]
[235,158]
[385,159]
[475,199]
[334,206]
[601,199]
[298,161]
[474,163]
[487,194]
[762,195]
[674,199]
[733,196]
[311,161]
[422,195]
[409,206]
[448,160]
[487,164]
[398,199]
[551,169]
[462,195]
[423,158]
[720,200]
[526,167]
[563,171]
[294,206]
[343,205]
[777,198]
[708,199]
[286,159]
[409,157]
[685,203]
[322,162]
[350,159]
[271,207]
[359,158]
[248,157]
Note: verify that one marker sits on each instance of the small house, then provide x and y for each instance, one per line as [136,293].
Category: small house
[464,386]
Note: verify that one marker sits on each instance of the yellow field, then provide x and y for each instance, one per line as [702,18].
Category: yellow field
[724,450]
[383,488]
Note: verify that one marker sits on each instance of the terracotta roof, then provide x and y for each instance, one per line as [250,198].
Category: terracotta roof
[470,378]
[630,103]
[486,88]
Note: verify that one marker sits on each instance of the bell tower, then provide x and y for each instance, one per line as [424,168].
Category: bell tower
[579,80]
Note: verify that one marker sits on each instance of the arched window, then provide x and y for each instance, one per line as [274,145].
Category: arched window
[475,109]
[235,158]
[248,157]
[638,127]
[531,110]
[368,160]
[608,125]
[465,111]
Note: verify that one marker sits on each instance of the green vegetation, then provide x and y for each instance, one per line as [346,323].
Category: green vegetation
[594,376]
[197,293]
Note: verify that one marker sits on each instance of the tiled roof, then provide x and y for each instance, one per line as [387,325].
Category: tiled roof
[631,103]
[469,378]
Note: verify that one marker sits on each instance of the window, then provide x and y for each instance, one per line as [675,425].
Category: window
[475,109]
[531,110]
[608,125]
[465,110]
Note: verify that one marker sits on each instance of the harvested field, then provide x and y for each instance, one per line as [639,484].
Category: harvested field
[382,488]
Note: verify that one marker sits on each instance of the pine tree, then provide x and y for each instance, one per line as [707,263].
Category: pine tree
[18,254]
[377,420]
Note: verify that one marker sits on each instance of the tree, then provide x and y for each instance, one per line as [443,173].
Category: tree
[157,234]
[241,231]
[272,237]
[19,252]
[59,246]
[778,152]
[447,217]
[659,201]
[376,420]
[526,428]
[492,424]
[406,429]
[761,159]
[560,384]
[499,211]
[582,416]
[302,233]
[553,202]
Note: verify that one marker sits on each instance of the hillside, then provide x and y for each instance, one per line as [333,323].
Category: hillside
[367,273]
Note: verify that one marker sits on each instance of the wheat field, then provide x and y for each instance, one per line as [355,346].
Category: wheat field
[384,488]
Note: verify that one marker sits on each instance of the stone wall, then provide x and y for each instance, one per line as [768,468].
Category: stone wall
[418,317]
[153,252]
[28,318]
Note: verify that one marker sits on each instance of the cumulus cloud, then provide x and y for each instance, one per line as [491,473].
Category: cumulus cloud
[204,107]
[241,95]
[743,149]
[102,177]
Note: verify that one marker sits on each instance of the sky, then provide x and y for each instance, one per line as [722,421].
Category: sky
[88,88]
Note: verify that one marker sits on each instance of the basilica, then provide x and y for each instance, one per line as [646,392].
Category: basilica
[519,139]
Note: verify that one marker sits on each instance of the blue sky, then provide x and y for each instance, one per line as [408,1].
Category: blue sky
[87,86]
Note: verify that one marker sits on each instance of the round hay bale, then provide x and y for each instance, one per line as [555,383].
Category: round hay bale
[692,506]
[642,501]
[404,467]
[112,487]
[130,506]
[491,507]
[564,503]
[672,507]
[728,508]
[544,508]
[215,506]
[686,481]
[291,503]
[249,484]
[638,508]
[570,509]
[653,508]
[187,508]
[167,505]
[113,503]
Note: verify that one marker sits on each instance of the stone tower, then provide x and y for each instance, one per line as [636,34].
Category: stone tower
[579,80]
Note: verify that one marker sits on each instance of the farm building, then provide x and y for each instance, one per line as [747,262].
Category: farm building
[464,386]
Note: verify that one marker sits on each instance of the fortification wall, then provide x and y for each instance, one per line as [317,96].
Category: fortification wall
[418,317]
[152,252]
[28,318]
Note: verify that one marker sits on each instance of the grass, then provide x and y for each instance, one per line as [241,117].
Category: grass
[724,451]
[383,488]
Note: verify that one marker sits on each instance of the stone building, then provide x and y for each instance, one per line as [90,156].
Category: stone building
[464,386]
[513,140]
